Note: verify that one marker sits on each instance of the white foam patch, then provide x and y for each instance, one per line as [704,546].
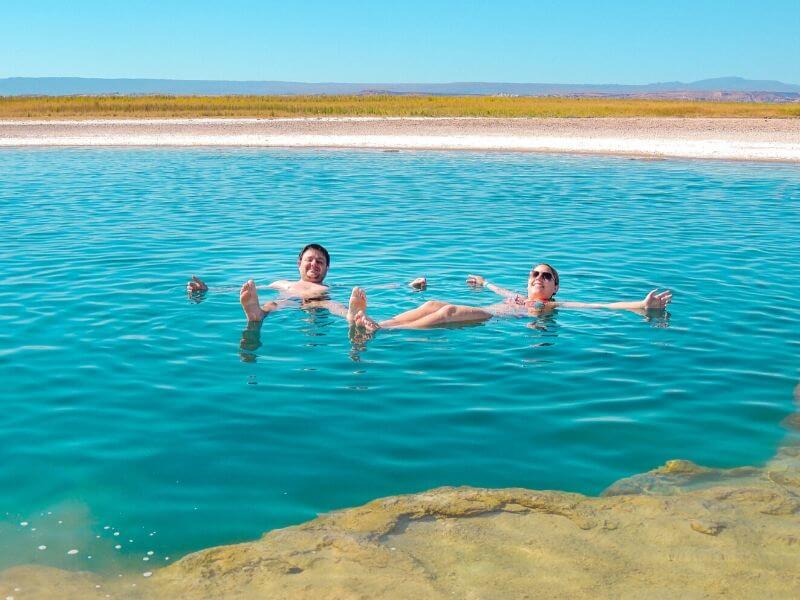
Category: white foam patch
[605,419]
[72,552]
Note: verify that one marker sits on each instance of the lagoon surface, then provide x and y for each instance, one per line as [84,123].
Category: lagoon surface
[137,419]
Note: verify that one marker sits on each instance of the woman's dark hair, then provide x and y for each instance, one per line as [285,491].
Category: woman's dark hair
[318,248]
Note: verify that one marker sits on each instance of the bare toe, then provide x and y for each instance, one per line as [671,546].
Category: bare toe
[358,304]
[248,297]
[366,322]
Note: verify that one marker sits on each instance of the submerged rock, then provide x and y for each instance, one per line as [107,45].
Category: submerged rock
[707,527]
[510,543]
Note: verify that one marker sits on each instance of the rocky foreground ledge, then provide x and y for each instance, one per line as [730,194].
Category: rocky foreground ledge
[678,531]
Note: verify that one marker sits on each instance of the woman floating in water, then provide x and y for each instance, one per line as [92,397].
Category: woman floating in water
[542,287]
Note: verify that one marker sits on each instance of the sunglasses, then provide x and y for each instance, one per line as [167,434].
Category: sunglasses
[546,275]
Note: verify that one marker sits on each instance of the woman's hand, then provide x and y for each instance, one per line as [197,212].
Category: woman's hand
[657,301]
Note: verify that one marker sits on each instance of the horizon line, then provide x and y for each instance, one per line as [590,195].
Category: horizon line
[453,82]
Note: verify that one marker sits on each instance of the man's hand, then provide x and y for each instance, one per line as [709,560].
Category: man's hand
[420,283]
[476,280]
[196,285]
[657,301]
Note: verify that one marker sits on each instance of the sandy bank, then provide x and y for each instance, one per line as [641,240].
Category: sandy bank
[731,139]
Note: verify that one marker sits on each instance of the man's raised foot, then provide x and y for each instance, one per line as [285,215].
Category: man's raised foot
[248,296]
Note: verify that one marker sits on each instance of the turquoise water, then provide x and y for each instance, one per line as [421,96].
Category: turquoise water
[128,405]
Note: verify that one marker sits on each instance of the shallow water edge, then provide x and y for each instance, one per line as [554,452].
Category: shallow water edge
[680,529]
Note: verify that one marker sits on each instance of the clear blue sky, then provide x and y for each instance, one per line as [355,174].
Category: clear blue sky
[551,41]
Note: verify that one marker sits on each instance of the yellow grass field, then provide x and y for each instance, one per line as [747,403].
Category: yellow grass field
[79,107]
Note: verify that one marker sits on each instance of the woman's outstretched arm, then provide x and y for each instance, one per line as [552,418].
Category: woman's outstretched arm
[479,281]
[655,300]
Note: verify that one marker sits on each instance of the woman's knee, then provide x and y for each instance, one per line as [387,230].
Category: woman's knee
[454,312]
[448,310]
[434,304]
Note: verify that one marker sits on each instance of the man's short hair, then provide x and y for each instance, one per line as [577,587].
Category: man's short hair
[318,248]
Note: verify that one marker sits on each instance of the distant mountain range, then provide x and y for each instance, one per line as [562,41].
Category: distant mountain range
[722,88]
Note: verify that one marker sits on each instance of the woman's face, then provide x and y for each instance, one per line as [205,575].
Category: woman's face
[541,283]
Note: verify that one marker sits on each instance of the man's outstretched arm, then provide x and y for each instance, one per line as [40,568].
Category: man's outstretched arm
[335,308]
[196,285]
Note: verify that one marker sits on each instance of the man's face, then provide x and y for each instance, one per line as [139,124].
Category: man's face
[312,266]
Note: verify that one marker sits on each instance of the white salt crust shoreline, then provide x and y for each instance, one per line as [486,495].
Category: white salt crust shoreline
[728,139]
[710,149]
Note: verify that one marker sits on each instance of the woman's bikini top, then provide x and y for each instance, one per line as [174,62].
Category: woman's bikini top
[518,300]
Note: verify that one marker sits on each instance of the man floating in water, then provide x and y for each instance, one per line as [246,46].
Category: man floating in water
[313,263]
